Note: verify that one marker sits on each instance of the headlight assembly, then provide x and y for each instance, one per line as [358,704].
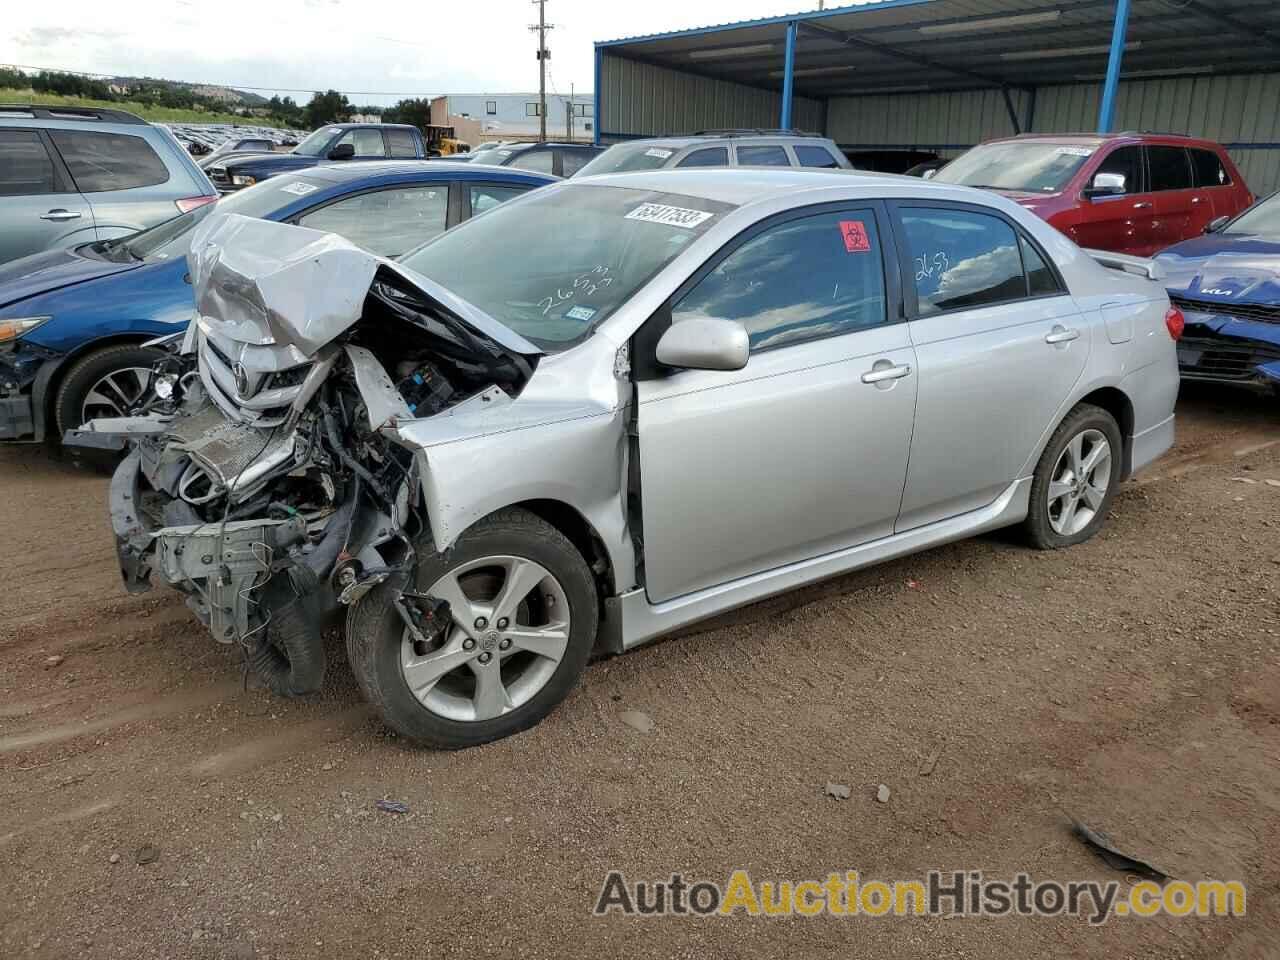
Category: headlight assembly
[11,330]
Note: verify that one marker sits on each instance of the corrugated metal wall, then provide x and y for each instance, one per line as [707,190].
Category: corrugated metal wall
[925,120]
[640,99]
[1230,110]
[1240,112]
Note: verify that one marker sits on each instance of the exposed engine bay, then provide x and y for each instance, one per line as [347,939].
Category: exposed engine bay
[267,480]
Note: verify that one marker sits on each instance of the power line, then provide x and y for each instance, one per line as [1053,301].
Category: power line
[238,86]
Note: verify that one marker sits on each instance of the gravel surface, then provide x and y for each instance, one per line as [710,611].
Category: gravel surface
[973,699]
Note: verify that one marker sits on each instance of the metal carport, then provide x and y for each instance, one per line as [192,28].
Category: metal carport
[942,75]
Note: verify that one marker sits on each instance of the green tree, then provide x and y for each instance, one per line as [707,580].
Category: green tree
[416,112]
[328,107]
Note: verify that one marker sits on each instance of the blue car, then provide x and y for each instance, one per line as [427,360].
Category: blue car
[1227,284]
[73,322]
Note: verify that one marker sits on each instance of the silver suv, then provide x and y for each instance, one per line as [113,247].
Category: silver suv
[721,148]
[70,175]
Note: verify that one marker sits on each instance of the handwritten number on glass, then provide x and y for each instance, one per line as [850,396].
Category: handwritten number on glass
[597,278]
[927,266]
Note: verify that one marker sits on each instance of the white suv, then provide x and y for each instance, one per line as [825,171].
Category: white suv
[721,148]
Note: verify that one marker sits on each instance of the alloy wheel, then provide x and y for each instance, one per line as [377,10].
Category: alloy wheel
[1079,482]
[115,394]
[509,630]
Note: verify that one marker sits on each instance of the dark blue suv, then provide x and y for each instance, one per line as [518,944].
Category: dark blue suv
[73,322]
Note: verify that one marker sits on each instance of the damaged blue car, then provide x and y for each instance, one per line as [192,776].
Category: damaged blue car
[1227,284]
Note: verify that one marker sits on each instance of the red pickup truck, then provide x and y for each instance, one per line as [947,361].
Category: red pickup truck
[1134,193]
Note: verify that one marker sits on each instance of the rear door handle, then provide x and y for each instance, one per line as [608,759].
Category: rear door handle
[1197,199]
[1060,334]
[878,373]
[60,214]
[1144,205]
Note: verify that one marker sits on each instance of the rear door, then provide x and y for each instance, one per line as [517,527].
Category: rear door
[999,345]
[1213,186]
[126,182]
[1179,206]
[39,207]
[1123,223]
[804,450]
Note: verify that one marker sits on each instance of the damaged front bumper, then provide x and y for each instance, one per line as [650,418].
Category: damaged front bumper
[1225,349]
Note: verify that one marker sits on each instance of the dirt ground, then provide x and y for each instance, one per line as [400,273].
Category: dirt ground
[1131,682]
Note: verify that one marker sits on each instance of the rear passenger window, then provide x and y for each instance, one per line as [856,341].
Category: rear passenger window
[762,157]
[815,157]
[708,157]
[1209,169]
[573,160]
[1041,281]
[400,143]
[1169,168]
[803,279]
[961,259]
[486,197]
[25,167]
[386,222]
[108,161]
[539,161]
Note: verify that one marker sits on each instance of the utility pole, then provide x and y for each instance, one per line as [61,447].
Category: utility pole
[568,126]
[543,56]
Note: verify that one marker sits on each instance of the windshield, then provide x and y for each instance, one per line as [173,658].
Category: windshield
[1032,167]
[554,264]
[494,155]
[1262,219]
[628,156]
[171,238]
[314,145]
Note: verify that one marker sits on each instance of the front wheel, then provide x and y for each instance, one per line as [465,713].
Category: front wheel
[105,383]
[1075,480]
[516,634]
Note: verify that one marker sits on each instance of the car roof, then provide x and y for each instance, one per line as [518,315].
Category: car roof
[743,185]
[699,139]
[388,169]
[1097,139]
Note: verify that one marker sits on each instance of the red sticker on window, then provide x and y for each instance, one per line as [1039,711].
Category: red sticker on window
[855,236]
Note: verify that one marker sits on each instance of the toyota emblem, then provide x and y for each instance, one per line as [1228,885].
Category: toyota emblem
[241,376]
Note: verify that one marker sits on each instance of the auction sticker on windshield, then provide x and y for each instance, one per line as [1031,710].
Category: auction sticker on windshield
[299,189]
[658,152]
[669,215]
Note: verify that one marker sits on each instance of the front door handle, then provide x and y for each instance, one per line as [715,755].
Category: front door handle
[1197,199]
[60,214]
[880,373]
[1143,205]
[1060,334]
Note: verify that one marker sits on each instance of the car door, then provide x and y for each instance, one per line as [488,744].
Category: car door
[1122,222]
[39,206]
[125,181]
[1215,193]
[1174,196]
[999,344]
[804,450]
[390,221]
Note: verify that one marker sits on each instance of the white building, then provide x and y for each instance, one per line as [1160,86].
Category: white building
[515,115]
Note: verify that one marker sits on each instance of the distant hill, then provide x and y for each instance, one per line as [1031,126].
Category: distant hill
[229,95]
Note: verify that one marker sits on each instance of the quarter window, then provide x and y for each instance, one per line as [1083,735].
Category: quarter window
[818,276]
[27,169]
[815,157]
[961,259]
[1041,281]
[709,157]
[1209,169]
[1169,168]
[388,222]
[108,161]
[762,157]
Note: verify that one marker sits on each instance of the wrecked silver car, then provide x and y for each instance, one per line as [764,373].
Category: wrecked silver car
[706,388]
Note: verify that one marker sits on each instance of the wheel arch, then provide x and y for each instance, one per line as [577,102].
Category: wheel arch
[1117,403]
[45,389]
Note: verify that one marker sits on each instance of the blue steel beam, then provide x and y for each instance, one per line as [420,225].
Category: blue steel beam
[1107,112]
[788,75]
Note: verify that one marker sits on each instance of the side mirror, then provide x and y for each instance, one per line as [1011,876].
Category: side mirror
[1106,185]
[1216,224]
[343,151]
[705,343]
[928,174]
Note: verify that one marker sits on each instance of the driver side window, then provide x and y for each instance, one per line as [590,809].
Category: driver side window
[367,143]
[1126,161]
[801,279]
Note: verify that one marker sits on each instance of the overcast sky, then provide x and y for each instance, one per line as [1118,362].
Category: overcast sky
[362,47]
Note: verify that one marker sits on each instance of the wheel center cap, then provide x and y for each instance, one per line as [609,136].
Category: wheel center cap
[489,641]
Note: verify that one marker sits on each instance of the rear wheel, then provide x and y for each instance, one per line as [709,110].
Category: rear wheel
[1075,480]
[105,383]
[520,626]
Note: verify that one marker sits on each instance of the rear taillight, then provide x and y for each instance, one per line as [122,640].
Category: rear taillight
[187,204]
[1175,321]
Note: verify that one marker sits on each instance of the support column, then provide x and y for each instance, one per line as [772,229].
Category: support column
[1107,111]
[788,70]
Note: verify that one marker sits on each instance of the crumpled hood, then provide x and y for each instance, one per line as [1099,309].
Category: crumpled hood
[1225,267]
[261,282]
[51,270]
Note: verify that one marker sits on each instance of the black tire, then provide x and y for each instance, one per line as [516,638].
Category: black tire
[374,631]
[1038,526]
[86,372]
